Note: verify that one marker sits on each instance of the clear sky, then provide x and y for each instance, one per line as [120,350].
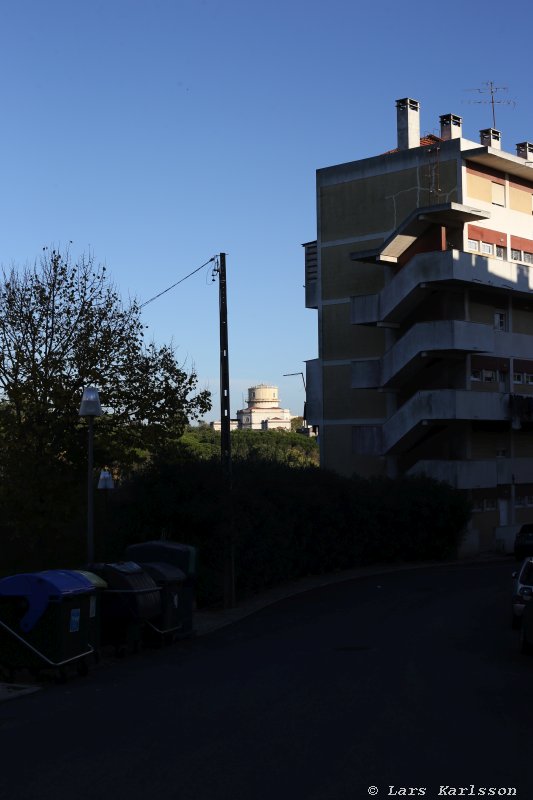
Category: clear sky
[157,133]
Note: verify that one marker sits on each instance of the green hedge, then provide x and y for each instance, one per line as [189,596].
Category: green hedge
[285,523]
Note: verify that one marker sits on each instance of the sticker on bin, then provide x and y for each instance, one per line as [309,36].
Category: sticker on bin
[92,606]
[74,620]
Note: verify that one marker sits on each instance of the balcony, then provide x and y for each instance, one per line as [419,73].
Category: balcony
[477,474]
[424,337]
[411,283]
[434,406]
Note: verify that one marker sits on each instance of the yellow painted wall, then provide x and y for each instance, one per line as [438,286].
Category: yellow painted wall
[481,312]
[336,446]
[341,339]
[343,402]
[371,205]
[520,200]
[485,445]
[342,277]
[479,188]
[522,321]
[523,444]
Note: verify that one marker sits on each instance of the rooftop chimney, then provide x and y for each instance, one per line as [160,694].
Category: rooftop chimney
[408,123]
[490,137]
[450,127]
[525,150]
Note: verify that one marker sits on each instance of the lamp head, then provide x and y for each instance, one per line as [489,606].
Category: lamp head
[90,403]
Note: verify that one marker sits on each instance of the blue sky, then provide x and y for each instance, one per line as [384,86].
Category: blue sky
[157,134]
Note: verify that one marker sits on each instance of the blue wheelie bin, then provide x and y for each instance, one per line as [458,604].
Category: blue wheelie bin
[44,621]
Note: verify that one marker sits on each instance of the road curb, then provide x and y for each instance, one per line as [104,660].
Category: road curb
[210,620]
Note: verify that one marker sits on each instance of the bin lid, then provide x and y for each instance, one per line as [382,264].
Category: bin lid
[42,588]
[96,581]
[126,567]
[164,573]
[165,550]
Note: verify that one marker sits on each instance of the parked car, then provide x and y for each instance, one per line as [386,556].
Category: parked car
[522,590]
[523,543]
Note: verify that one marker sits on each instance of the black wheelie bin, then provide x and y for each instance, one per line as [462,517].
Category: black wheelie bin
[131,600]
[180,556]
[174,618]
[44,621]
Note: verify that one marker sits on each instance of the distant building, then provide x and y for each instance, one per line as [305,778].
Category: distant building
[233,425]
[263,411]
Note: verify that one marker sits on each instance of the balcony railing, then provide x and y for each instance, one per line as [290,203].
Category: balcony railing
[443,405]
[478,473]
[442,335]
[406,289]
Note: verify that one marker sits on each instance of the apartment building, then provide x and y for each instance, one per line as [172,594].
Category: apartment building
[422,277]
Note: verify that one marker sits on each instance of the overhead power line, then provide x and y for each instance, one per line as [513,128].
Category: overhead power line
[177,282]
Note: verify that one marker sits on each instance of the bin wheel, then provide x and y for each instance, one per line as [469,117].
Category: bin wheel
[82,668]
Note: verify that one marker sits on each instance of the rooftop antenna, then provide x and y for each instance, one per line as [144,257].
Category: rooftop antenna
[492,89]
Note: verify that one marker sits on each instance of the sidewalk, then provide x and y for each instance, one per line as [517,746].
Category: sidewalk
[210,620]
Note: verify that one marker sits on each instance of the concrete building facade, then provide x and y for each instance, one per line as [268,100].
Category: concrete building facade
[422,278]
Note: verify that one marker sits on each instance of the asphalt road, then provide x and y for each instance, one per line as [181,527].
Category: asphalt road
[411,679]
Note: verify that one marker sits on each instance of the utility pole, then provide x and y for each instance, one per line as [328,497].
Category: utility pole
[225,429]
[225,435]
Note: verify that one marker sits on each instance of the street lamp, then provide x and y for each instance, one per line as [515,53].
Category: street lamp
[90,408]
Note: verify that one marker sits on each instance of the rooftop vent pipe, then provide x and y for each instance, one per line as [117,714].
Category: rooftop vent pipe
[451,127]
[490,137]
[408,123]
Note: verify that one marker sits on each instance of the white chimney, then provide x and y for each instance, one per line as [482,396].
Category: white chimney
[490,137]
[408,123]
[451,127]
[525,150]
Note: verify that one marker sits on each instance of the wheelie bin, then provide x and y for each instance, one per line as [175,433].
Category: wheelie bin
[130,601]
[44,621]
[174,620]
[182,556]
[95,609]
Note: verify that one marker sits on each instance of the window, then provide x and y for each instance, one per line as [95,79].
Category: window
[528,378]
[528,258]
[516,255]
[487,249]
[520,501]
[473,244]
[498,194]
[518,377]
[489,375]
[500,321]
[529,500]
[501,252]
[475,375]
[489,504]
[502,453]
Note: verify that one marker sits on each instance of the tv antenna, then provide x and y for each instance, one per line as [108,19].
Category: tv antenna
[492,90]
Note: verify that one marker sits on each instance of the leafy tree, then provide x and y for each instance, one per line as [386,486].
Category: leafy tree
[63,326]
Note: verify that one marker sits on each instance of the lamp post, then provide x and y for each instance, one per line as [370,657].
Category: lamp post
[90,408]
